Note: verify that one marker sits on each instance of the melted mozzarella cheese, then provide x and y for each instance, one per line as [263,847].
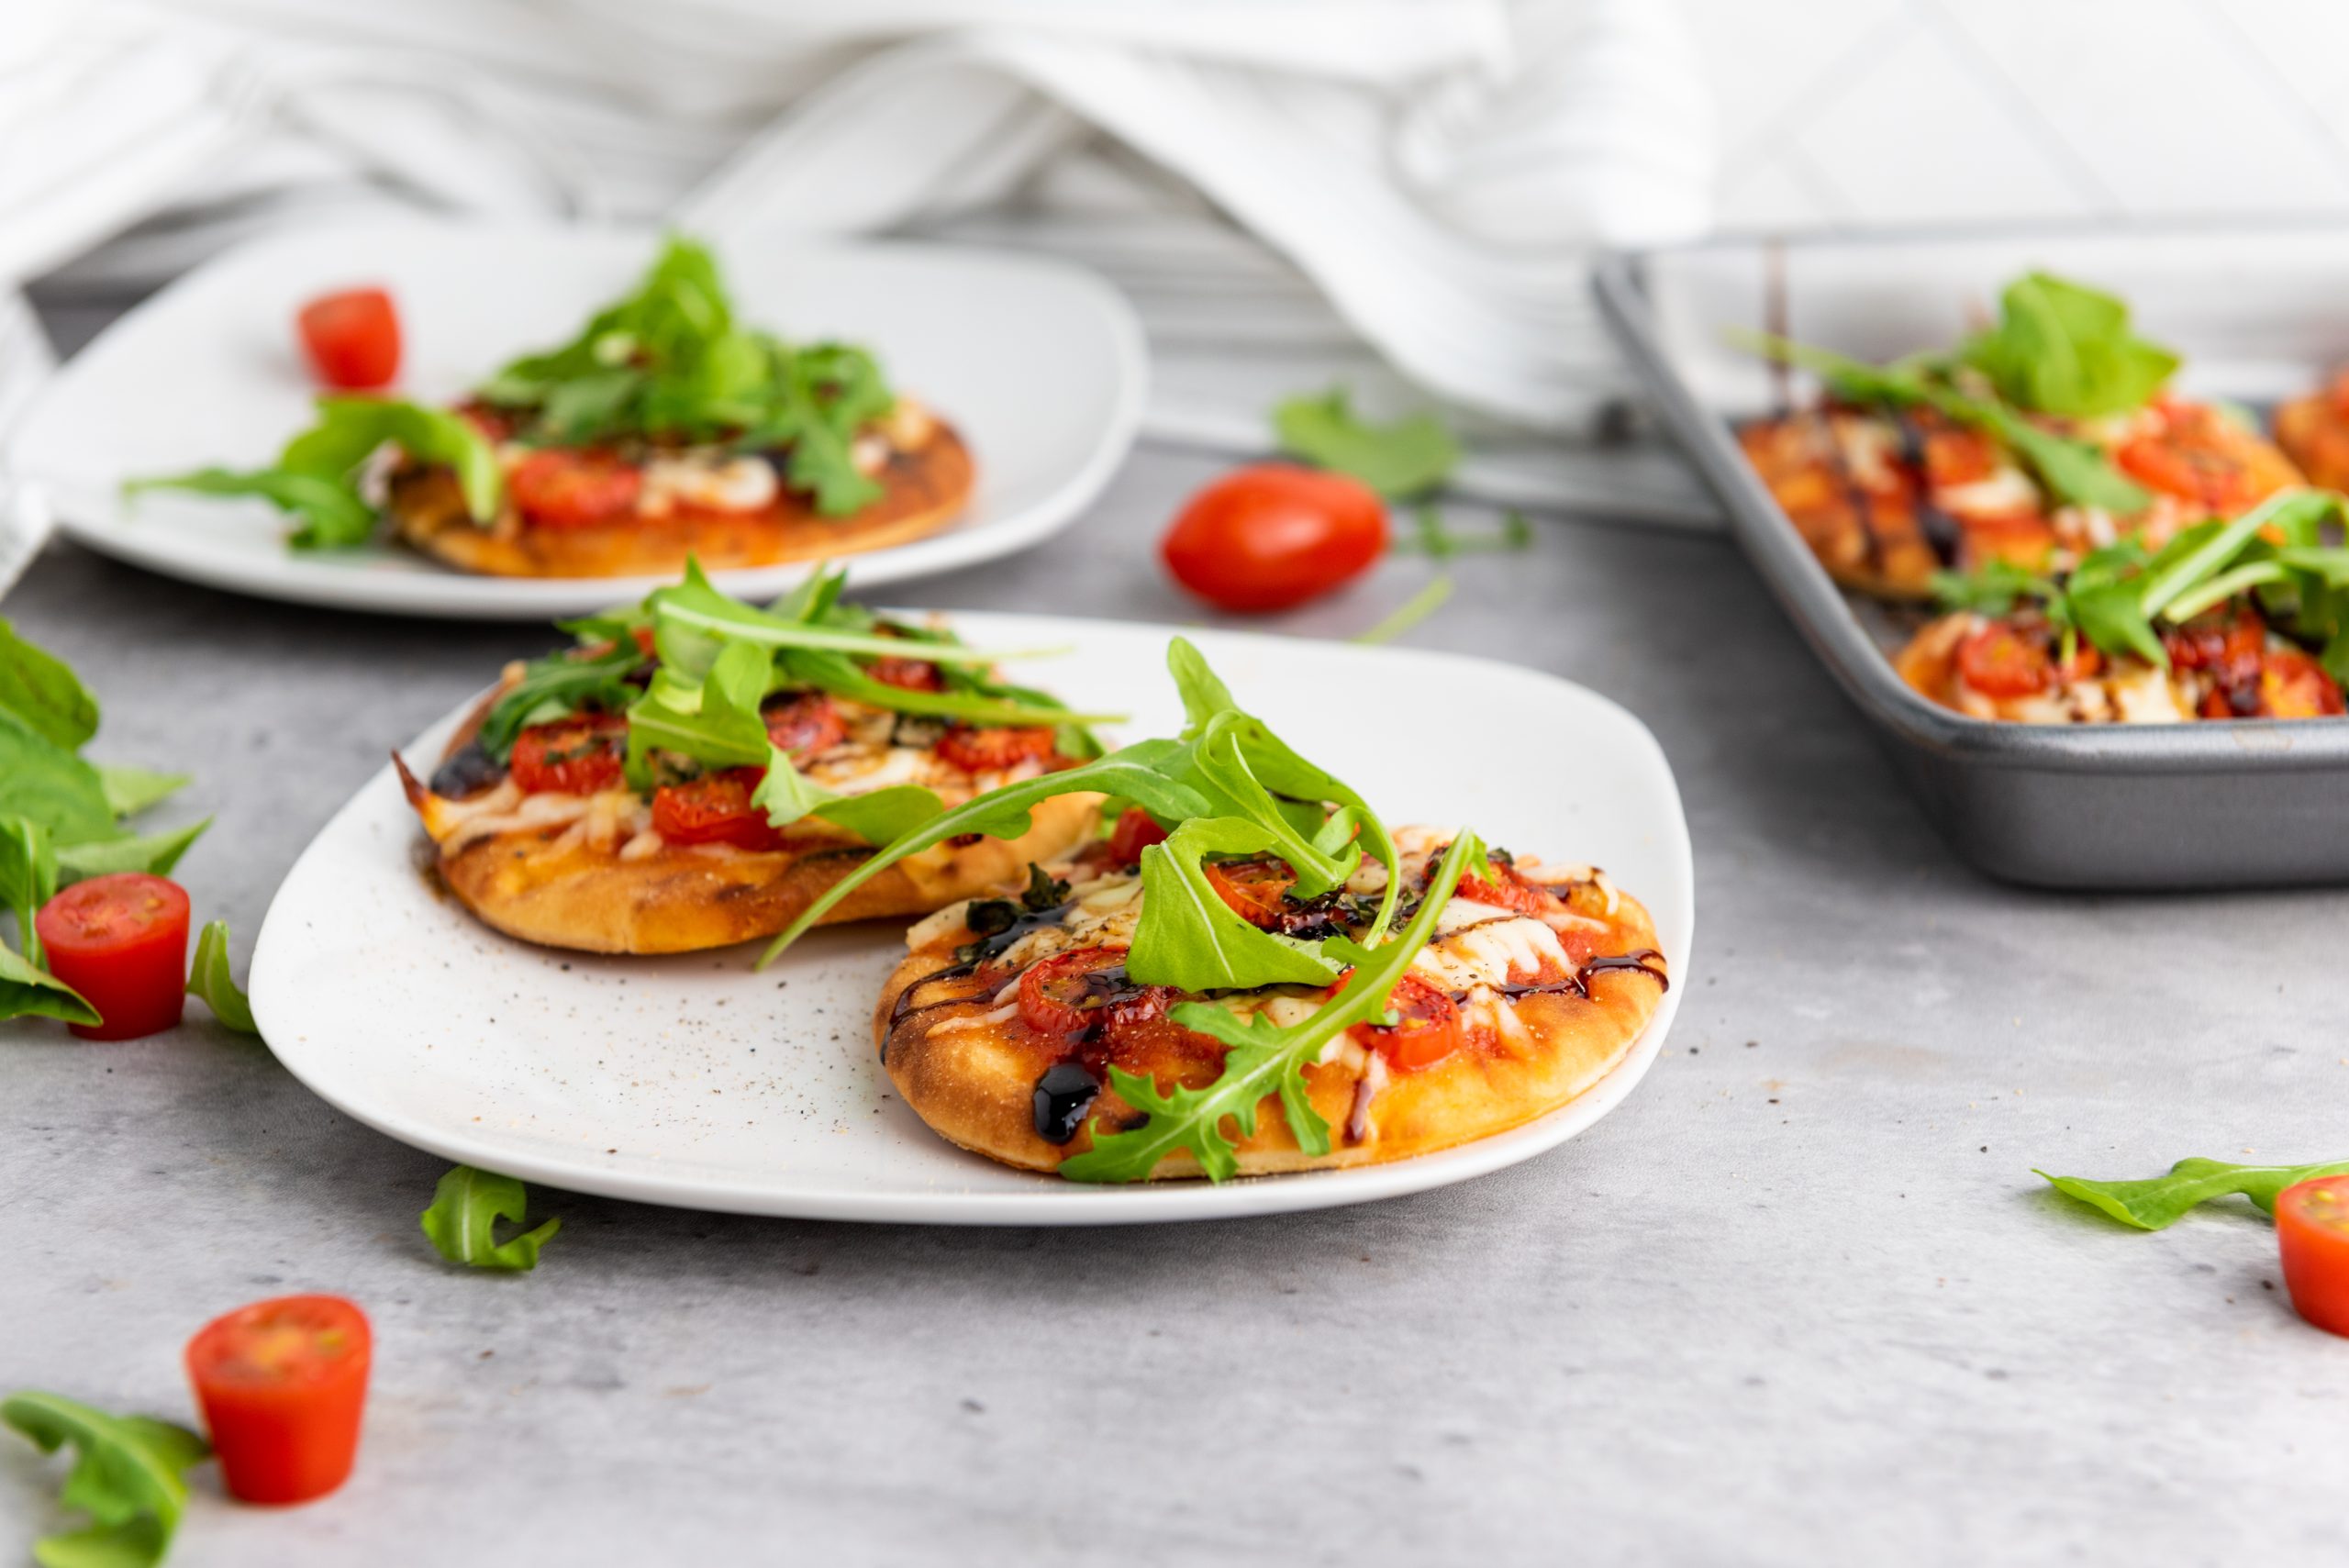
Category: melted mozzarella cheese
[708,478]
[2007,491]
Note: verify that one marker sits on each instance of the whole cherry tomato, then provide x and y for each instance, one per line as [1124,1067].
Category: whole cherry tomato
[1273,536]
[121,941]
[352,338]
[282,1385]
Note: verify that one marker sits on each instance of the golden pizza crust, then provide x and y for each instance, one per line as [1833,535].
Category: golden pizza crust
[2313,432]
[923,491]
[974,1083]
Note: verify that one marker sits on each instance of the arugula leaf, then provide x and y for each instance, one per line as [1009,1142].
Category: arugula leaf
[716,720]
[1135,773]
[1397,459]
[28,990]
[1409,613]
[154,853]
[126,1477]
[209,982]
[40,780]
[1190,939]
[462,1221]
[1434,538]
[882,815]
[1202,690]
[2066,348]
[2159,1202]
[1263,1059]
[695,604]
[556,687]
[28,877]
[131,791]
[42,690]
[315,477]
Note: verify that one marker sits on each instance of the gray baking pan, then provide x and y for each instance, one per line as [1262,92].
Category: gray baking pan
[2260,314]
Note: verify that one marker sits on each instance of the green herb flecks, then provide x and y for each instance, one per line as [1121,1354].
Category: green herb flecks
[462,1221]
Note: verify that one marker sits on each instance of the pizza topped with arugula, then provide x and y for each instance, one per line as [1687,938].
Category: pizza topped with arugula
[2034,443]
[1250,971]
[697,772]
[664,430]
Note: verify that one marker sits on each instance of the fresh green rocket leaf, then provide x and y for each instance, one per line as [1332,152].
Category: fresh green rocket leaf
[462,1221]
[2063,348]
[883,816]
[154,853]
[555,687]
[1399,460]
[331,513]
[716,720]
[209,982]
[126,1477]
[1190,939]
[42,690]
[28,877]
[1264,1060]
[696,605]
[2159,1202]
[29,990]
[42,781]
[131,791]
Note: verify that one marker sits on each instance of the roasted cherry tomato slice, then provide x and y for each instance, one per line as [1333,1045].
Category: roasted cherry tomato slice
[1999,661]
[282,1385]
[1507,893]
[352,338]
[2188,466]
[556,488]
[2293,685]
[1272,536]
[715,809]
[578,755]
[806,723]
[1250,889]
[911,674]
[1959,456]
[991,750]
[121,941]
[1428,1025]
[2312,1231]
[1134,833]
[1070,990]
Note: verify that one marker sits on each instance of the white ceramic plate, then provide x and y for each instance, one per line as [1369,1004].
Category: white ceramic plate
[699,1082]
[1039,364]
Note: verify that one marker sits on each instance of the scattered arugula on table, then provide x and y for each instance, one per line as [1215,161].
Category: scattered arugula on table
[126,1477]
[2119,595]
[1400,459]
[62,817]
[1432,535]
[318,478]
[1409,613]
[462,1221]
[2159,1202]
[209,981]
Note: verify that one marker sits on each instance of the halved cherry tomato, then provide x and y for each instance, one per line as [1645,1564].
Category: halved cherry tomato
[804,724]
[715,809]
[2000,661]
[2312,1232]
[1428,1025]
[578,755]
[2293,685]
[912,674]
[352,337]
[1134,833]
[2188,462]
[1272,536]
[1250,889]
[989,751]
[121,941]
[557,488]
[1507,893]
[1060,996]
[282,1385]
[1959,456]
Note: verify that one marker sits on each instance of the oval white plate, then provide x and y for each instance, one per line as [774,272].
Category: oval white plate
[698,1082]
[1038,363]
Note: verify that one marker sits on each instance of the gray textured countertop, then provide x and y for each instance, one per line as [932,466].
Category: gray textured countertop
[1799,1301]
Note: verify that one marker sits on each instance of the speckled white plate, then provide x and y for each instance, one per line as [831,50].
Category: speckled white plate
[699,1082]
[1039,364]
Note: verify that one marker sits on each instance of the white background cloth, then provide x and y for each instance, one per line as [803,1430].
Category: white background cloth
[1399,193]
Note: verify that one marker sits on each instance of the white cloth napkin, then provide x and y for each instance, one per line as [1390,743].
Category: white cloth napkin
[1396,193]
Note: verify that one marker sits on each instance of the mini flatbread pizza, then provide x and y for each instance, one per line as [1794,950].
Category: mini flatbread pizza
[2315,430]
[605,799]
[1007,1025]
[2034,444]
[1252,973]
[664,431]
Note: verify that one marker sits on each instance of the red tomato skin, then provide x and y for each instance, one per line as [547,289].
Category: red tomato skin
[282,1439]
[909,674]
[559,488]
[579,755]
[2312,1233]
[1134,833]
[716,809]
[1272,536]
[1999,661]
[121,941]
[976,749]
[352,338]
[1045,1012]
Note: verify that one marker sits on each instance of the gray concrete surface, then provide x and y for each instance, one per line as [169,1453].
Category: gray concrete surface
[1800,1302]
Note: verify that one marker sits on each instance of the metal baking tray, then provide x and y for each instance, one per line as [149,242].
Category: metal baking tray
[2261,313]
